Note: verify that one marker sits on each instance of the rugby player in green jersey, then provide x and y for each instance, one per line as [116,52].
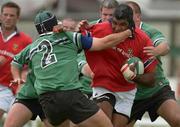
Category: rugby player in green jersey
[159,100]
[26,101]
[70,25]
[53,57]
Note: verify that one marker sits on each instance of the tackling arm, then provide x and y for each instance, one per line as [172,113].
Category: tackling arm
[109,40]
[146,79]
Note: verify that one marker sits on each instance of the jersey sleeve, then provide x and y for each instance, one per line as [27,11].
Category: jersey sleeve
[81,41]
[157,38]
[21,58]
[75,38]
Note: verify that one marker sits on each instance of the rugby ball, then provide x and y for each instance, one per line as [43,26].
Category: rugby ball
[139,66]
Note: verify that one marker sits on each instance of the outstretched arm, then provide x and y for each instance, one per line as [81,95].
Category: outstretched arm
[109,40]
[17,66]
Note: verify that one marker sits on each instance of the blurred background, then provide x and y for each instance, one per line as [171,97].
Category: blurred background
[163,14]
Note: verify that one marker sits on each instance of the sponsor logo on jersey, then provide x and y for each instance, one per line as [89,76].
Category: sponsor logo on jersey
[127,54]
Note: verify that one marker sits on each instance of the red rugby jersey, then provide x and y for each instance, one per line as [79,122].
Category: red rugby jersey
[8,48]
[106,64]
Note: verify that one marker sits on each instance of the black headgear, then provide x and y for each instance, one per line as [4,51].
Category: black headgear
[44,22]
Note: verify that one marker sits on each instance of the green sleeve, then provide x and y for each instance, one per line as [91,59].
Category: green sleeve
[21,58]
[76,38]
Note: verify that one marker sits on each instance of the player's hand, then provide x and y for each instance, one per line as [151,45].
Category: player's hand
[128,71]
[83,24]
[16,82]
[129,33]
[151,51]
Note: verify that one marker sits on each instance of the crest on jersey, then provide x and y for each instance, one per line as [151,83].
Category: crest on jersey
[15,46]
[130,52]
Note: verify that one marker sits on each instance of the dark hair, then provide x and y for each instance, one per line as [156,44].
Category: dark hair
[124,12]
[136,7]
[11,5]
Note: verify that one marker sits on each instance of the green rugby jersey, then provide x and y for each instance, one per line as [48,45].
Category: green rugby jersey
[54,61]
[27,91]
[157,37]
[85,81]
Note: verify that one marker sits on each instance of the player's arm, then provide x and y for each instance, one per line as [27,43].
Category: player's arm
[17,65]
[105,42]
[16,73]
[161,50]
[145,79]
[148,78]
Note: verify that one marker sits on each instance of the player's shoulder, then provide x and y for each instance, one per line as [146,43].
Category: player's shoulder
[25,37]
[148,28]
[23,34]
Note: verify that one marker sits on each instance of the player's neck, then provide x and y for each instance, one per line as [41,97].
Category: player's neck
[7,32]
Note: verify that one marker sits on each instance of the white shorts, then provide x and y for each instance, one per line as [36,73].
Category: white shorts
[6,98]
[124,100]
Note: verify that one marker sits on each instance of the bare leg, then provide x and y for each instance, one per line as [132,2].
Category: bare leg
[119,120]
[97,120]
[65,124]
[170,111]
[131,124]
[17,116]
[107,108]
